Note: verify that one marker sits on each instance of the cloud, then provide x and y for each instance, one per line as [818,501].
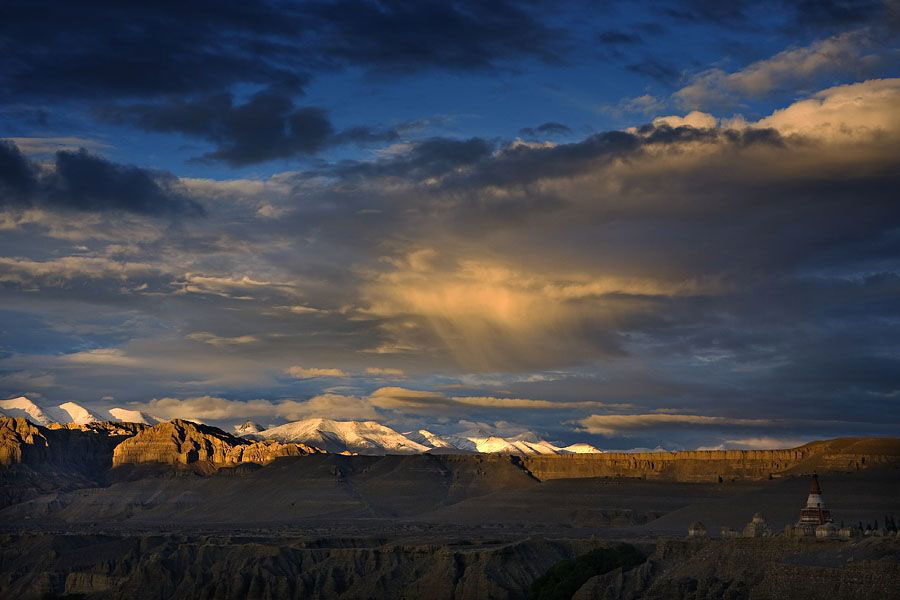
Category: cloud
[49,145]
[695,119]
[214,408]
[617,260]
[645,104]
[205,408]
[267,126]
[549,128]
[238,287]
[60,271]
[81,52]
[625,424]
[114,357]
[425,158]
[766,443]
[299,309]
[214,340]
[385,372]
[18,176]
[429,402]
[845,53]
[491,316]
[85,182]
[860,111]
[312,372]
[330,406]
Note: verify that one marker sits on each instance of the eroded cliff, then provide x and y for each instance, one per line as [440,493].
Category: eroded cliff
[184,443]
[846,454]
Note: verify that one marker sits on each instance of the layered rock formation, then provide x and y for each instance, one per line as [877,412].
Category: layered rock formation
[847,454]
[81,446]
[36,459]
[184,443]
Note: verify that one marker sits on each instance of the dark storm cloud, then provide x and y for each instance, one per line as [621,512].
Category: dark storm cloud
[813,15]
[103,49]
[828,14]
[455,35]
[82,181]
[18,177]
[267,126]
[521,165]
[549,128]
[86,182]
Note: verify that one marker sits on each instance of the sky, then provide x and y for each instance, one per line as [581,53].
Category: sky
[636,225]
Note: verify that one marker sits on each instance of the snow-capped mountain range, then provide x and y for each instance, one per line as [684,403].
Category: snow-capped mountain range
[362,437]
[369,437]
[69,412]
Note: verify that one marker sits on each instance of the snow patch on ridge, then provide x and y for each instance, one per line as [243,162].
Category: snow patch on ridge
[79,414]
[370,437]
[366,437]
[24,407]
[133,416]
[247,428]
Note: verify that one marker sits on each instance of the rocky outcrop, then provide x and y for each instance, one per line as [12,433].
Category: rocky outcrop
[20,440]
[848,454]
[184,443]
[36,459]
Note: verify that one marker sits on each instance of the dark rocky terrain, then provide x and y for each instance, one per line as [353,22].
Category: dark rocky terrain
[180,510]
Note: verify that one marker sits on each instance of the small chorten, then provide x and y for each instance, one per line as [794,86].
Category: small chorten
[814,513]
[697,530]
[757,527]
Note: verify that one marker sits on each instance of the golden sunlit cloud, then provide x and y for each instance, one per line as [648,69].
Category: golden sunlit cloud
[313,372]
[622,424]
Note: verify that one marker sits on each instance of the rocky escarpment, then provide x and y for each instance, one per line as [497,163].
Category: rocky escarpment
[847,454]
[36,459]
[78,446]
[184,443]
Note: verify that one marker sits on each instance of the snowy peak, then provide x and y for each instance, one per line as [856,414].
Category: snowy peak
[79,414]
[133,416]
[523,447]
[370,437]
[366,437]
[248,427]
[24,407]
[427,438]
